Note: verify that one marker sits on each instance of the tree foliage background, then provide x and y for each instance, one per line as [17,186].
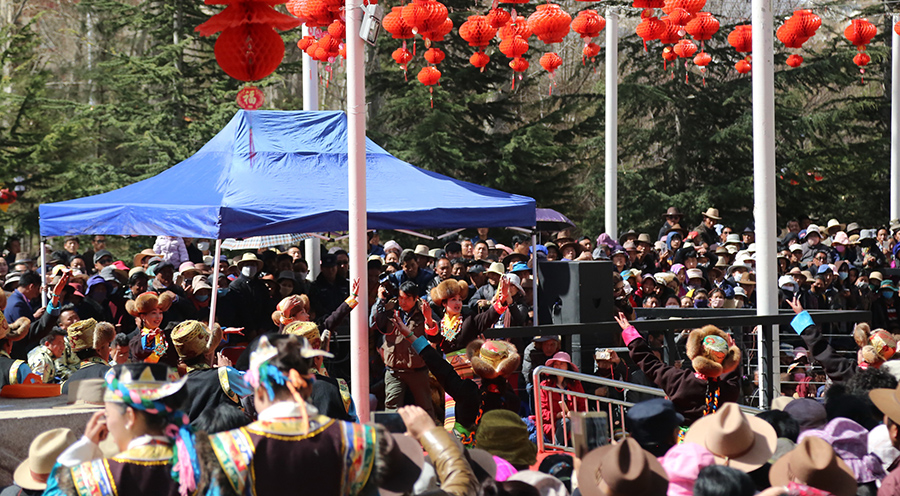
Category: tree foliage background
[97,94]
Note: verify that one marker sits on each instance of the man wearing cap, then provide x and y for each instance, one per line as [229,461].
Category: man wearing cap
[330,289]
[483,296]
[812,244]
[707,229]
[207,387]
[646,260]
[424,278]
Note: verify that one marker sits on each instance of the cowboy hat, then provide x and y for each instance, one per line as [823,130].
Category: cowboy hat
[748,279]
[814,463]
[139,258]
[514,257]
[644,238]
[734,438]
[673,211]
[712,213]
[422,251]
[834,226]
[623,468]
[249,258]
[677,228]
[32,474]
[888,401]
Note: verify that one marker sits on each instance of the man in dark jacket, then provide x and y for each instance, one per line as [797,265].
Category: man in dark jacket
[19,302]
[329,289]
[673,216]
[424,278]
[405,369]
[706,229]
[254,305]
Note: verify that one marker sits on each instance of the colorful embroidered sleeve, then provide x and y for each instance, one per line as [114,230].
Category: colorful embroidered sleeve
[234,451]
[358,445]
[93,479]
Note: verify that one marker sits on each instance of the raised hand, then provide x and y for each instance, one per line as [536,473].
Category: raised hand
[622,320]
[795,304]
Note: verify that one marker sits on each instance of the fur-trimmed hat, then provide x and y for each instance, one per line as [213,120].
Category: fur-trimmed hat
[875,347]
[147,302]
[492,359]
[90,334]
[448,289]
[15,331]
[287,307]
[308,330]
[710,354]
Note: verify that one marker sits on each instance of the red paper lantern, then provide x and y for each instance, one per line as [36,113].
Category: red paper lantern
[519,64]
[247,12]
[702,59]
[249,52]
[692,6]
[434,55]
[794,60]
[402,57]
[513,47]
[498,18]
[743,66]
[590,51]
[429,76]
[860,32]
[441,31]
[393,23]
[790,37]
[650,28]
[477,31]
[250,98]
[804,22]
[672,33]
[702,27]
[588,24]
[304,42]
[550,62]
[479,59]
[648,4]
[742,38]
[679,16]
[550,23]
[685,48]
[668,55]
[337,29]
[897,28]
[862,59]
[516,27]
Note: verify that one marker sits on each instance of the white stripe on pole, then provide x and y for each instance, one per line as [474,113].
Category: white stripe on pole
[534,279]
[356,166]
[764,170]
[44,279]
[895,121]
[612,121]
[215,284]
[310,75]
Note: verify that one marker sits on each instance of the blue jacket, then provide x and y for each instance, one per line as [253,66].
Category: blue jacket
[18,306]
[425,279]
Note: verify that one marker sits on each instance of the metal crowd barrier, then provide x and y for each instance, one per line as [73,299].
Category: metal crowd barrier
[594,403]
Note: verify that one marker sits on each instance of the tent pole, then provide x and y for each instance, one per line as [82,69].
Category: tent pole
[43,272]
[356,212]
[895,121]
[215,284]
[313,251]
[534,279]
[764,181]
[612,122]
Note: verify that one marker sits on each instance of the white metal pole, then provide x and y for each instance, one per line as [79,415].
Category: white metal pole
[612,121]
[215,284]
[895,122]
[534,279]
[43,272]
[310,75]
[764,173]
[356,213]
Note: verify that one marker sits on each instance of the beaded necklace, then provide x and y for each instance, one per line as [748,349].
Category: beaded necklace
[450,326]
[712,397]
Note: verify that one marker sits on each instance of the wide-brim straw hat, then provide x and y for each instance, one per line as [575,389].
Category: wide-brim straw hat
[712,213]
[735,439]
[139,258]
[249,258]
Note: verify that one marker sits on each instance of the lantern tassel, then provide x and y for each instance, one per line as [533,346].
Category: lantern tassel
[645,45]
[685,72]
[431,96]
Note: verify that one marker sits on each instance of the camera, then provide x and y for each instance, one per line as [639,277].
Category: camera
[384,280]
[602,354]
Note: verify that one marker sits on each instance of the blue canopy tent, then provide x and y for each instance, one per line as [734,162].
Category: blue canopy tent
[273,172]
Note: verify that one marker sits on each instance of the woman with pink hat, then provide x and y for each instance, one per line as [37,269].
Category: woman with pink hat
[554,409]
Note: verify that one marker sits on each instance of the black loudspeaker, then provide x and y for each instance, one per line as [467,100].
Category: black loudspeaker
[577,293]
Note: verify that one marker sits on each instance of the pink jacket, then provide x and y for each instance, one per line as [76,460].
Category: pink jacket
[172,249]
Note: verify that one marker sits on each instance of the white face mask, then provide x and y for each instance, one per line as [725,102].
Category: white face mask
[203,245]
[248,270]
